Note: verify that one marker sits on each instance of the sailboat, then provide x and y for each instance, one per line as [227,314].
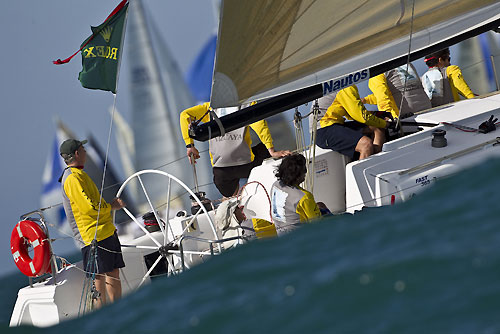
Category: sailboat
[284,54]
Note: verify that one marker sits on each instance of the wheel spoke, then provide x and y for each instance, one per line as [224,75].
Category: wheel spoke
[167,214]
[141,227]
[170,265]
[190,252]
[149,271]
[151,205]
[191,221]
[169,231]
[140,247]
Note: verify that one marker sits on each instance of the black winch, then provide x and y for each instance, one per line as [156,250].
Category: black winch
[438,139]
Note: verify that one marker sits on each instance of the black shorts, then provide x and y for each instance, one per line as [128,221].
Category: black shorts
[109,256]
[227,179]
[342,138]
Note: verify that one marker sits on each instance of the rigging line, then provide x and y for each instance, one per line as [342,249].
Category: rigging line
[407,66]
[93,251]
[82,297]
[105,164]
[117,183]
[173,199]
[109,132]
[57,229]
[308,114]
[157,168]
[312,144]
[88,281]
[86,272]
[124,222]
[178,159]
[238,196]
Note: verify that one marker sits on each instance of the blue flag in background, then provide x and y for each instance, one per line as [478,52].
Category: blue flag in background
[199,75]
[486,52]
[51,188]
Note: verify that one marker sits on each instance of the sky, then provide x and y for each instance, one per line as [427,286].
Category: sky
[34,92]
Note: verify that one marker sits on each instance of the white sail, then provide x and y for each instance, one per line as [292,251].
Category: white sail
[269,47]
[158,95]
[125,142]
[179,97]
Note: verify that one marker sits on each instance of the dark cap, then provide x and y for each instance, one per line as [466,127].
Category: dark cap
[70,146]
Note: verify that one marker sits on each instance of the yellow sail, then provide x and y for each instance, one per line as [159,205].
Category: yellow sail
[270,47]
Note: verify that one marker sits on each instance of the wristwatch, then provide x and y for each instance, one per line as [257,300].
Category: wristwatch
[189,145]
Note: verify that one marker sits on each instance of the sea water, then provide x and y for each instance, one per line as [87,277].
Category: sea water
[430,265]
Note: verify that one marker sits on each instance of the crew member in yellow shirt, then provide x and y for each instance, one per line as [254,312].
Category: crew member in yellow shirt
[365,134]
[443,82]
[90,218]
[232,155]
[398,88]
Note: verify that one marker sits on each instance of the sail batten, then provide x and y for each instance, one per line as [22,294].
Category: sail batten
[269,47]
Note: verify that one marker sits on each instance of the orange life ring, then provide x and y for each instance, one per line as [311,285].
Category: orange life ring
[25,232]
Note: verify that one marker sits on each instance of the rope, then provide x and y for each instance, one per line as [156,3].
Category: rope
[407,66]
[89,282]
[91,265]
[267,194]
[105,165]
[461,127]
[312,146]
[93,254]
[299,130]
[309,151]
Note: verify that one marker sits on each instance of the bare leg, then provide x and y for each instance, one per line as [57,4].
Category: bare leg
[113,285]
[364,147]
[100,285]
[379,139]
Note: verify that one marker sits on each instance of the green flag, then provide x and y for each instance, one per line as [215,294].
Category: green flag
[101,52]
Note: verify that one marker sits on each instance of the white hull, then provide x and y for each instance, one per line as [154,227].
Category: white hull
[410,164]
[405,166]
[46,304]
